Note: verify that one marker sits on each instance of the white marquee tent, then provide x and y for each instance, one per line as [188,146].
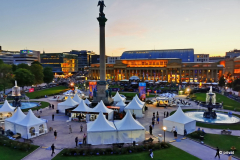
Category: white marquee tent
[121,104]
[10,123]
[87,101]
[69,103]
[135,108]
[180,121]
[31,126]
[100,107]
[101,131]
[77,99]
[129,130]
[118,98]
[139,101]
[6,110]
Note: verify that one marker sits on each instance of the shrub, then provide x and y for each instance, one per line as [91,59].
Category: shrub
[195,135]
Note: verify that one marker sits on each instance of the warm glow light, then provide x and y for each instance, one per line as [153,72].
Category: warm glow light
[72,84]
[164,128]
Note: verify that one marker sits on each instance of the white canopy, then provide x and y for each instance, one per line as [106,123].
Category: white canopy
[118,98]
[101,131]
[6,107]
[17,116]
[72,92]
[135,108]
[69,103]
[180,121]
[87,101]
[77,99]
[138,100]
[121,104]
[30,120]
[100,107]
[82,107]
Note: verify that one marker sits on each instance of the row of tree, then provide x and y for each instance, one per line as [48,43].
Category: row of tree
[24,74]
[234,84]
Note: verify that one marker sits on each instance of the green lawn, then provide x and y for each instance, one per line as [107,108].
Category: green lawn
[7,153]
[214,126]
[223,142]
[228,104]
[49,91]
[171,153]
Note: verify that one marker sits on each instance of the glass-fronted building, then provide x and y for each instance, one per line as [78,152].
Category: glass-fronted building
[61,63]
[187,55]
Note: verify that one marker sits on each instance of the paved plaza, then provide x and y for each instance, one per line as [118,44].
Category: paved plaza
[66,139]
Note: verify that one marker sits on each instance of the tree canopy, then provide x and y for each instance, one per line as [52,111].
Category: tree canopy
[221,81]
[24,77]
[23,65]
[37,71]
[36,62]
[6,76]
[48,75]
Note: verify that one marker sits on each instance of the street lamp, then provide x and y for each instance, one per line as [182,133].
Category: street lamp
[164,129]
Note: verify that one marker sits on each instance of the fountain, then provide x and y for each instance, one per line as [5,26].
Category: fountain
[16,94]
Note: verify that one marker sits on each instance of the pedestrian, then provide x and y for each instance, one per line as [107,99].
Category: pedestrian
[49,106]
[175,134]
[55,134]
[81,127]
[76,140]
[40,110]
[153,124]
[167,114]
[153,114]
[70,129]
[157,113]
[52,106]
[52,148]
[158,119]
[37,111]
[84,139]
[151,153]
[164,114]
[52,117]
[217,153]
[150,130]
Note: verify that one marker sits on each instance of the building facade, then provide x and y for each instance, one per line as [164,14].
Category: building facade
[7,56]
[165,69]
[232,66]
[84,58]
[201,57]
[61,63]
[112,60]
[187,55]
[232,54]
[26,57]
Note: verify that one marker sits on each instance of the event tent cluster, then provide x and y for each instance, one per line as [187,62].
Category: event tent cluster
[118,98]
[136,106]
[102,131]
[180,121]
[28,126]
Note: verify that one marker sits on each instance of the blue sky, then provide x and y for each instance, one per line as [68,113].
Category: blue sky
[208,26]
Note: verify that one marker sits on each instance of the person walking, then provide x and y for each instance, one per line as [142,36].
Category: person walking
[150,130]
[167,114]
[55,134]
[70,129]
[52,117]
[76,140]
[81,127]
[49,106]
[40,110]
[84,139]
[164,114]
[217,153]
[152,123]
[157,113]
[158,119]
[52,106]
[53,148]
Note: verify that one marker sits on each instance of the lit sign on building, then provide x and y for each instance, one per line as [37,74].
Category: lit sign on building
[25,51]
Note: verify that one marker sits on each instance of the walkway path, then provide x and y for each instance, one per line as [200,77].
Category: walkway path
[41,154]
[218,131]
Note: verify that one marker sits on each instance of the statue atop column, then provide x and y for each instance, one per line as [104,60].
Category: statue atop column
[102,5]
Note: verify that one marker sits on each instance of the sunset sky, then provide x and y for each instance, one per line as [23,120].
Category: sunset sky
[207,26]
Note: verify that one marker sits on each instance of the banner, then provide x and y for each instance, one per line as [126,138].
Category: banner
[31,90]
[142,91]
[92,88]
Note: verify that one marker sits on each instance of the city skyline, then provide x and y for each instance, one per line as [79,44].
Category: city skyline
[59,26]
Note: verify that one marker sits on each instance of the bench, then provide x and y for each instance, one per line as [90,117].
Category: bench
[226,132]
[27,140]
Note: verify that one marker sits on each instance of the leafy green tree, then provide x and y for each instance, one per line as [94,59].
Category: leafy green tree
[36,62]
[14,67]
[1,61]
[236,84]
[221,82]
[24,77]
[48,75]
[37,71]
[23,65]
[6,76]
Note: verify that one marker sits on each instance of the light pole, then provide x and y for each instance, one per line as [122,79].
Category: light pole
[164,129]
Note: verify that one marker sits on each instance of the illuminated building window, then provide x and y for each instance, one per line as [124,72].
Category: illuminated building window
[142,63]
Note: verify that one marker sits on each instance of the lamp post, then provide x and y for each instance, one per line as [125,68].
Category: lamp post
[164,129]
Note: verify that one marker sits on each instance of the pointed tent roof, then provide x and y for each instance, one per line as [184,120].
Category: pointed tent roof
[100,124]
[134,105]
[179,117]
[138,100]
[121,103]
[100,107]
[128,123]
[117,97]
[17,116]
[30,120]
[87,101]
[82,107]
[77,99]
[6,107]
[68,102]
